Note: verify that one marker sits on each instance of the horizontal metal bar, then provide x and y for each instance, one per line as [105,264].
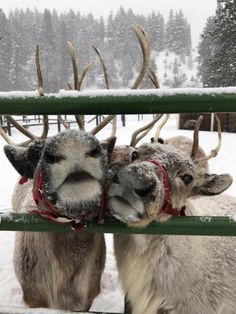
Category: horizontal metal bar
[120,101]
[212,226]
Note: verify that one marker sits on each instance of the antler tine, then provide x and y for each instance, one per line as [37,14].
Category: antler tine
[103,66]
[145,46]
[80,118]
[78,80]
[6,137]
[9,140]
[21,128]
[196,138]
[41,93]
[63,122]
[152,76]
[45,127]
[114,120]
[74,63]
[214,152]
[102,124]
[39,72]
[158,130]
[143,130]
[18,126]
[83,74]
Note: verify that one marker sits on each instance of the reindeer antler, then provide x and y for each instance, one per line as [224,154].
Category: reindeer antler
[158,130]
[214,152]
[145,47]
[153,77]
[114,119]
[143,131]
[17,125]
[78,79]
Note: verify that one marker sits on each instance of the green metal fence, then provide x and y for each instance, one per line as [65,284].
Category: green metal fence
[126,102]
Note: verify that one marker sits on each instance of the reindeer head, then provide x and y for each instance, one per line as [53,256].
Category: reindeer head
[157,184]
[72,168]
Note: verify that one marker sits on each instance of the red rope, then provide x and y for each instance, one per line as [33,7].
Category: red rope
[167,207]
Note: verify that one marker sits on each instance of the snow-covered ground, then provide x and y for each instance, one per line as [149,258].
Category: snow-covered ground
[111,297]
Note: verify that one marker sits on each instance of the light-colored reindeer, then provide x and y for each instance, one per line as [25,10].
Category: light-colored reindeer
[171,274]
[67,174]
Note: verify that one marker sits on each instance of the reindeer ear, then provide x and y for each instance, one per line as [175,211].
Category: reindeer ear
[213,184]
[17,157]
[25,159]
[108,145]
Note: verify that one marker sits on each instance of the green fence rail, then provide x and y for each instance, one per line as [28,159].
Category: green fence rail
[205,226]
[120,102]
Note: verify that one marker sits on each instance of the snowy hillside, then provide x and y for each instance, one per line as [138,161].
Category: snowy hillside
[177,71]
[111,297]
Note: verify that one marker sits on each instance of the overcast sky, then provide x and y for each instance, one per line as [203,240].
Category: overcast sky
[196,11]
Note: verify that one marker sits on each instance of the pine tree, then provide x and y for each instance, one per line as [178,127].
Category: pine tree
[170,32]
[219,67]
[206,50]
[156,31]
[5,53]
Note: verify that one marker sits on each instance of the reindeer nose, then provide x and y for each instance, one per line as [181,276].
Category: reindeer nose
[146,191]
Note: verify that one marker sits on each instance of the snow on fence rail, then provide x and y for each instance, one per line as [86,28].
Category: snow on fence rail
[125,102]
[121,101]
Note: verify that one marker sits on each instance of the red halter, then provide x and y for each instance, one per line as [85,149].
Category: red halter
[50,212]
[167,207]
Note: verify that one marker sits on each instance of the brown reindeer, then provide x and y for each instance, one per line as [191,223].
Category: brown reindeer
[170,274]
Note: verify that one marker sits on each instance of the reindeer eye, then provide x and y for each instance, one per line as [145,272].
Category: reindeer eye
[95,152]
[134,156]
[52,159]
[186,179]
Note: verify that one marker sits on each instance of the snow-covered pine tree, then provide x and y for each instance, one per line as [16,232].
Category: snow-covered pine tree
[219,68]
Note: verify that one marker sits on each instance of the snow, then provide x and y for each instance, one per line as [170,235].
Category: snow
[111,297]
[123,92]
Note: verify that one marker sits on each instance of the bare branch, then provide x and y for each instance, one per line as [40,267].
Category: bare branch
[145,47]
[103,67]
[102,124]
[135,139]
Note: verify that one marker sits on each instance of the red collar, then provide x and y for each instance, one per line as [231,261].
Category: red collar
[167,207]
[50,212]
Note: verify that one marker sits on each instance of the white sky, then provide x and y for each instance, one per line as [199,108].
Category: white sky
[196,11]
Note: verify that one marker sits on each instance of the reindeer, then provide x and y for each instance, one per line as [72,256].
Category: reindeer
[67,174]
[64,179]
[170,274]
